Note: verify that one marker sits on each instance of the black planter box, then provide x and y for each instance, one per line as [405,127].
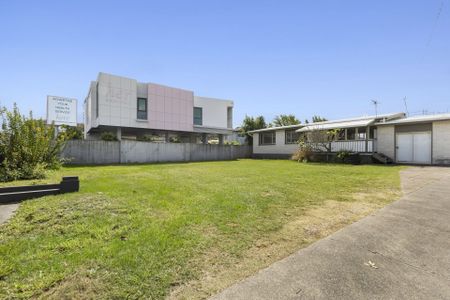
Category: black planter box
[19,193]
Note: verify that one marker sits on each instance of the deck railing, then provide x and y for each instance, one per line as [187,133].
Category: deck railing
[360,146]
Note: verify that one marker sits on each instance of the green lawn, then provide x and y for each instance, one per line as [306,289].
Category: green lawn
[178,230]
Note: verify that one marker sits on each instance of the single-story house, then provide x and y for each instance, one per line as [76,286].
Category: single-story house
[413,140]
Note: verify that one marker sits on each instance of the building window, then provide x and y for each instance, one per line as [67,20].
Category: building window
[267,138]
[198,116]
[142,108]
[372,133]
[340,135]
[291,137]
[351,134]
[361,133]
[230,117]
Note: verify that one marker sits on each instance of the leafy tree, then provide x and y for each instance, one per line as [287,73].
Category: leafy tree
[73,132]
[249,124]
[285,120]
[316,119]
[27,146]
[108,136]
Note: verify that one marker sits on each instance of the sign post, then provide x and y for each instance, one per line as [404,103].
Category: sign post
[61,111]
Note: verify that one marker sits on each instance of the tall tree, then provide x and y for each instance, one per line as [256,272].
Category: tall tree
[316,119]
[285,120]
[251,123]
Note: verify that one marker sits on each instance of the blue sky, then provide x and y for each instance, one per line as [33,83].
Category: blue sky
[303,57]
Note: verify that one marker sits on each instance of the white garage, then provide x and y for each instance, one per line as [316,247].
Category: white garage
[414,147]
[416,140]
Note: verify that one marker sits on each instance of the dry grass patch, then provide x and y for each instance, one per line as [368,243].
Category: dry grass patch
[302,228]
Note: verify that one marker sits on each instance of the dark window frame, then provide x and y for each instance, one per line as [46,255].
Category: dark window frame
[142,114]
[261,141]
[288,137]
[198,120]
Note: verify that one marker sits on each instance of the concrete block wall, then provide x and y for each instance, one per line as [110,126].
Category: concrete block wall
[101,152]
[441,142]
[385,142]
[91,152]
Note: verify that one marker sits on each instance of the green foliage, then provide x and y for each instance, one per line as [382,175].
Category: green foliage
[234,143]
[304,153]
[108,136]
[343,154]
[147,138]
[285,120]
[316,119]
[27,146]
[73,132]
[251,123]
[174,139]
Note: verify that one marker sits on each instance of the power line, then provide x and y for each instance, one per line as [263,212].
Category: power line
[433,29]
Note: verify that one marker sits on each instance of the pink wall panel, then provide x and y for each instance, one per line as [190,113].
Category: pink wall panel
[170,108]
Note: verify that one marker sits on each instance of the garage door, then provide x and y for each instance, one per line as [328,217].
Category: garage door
[414,147]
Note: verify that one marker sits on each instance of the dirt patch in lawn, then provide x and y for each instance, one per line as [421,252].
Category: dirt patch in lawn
[301,229]
[81,285]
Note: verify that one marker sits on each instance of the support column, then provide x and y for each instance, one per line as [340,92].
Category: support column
[119,134]
[367,139]
[220,139]
[204,138]
[166,137]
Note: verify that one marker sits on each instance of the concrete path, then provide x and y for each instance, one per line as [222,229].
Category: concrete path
[6,211]
[400,252]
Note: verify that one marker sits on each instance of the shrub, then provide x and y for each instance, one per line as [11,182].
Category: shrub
[343,154]
[108,136]
[174,139]
[234,143]
[27,146]
[303,154]
[147,138]
[73,132]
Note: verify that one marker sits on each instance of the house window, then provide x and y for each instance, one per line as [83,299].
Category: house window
[361,133]
[340,135]
[351,134]
[142,109]
[291,137]
[198,116]
[267,138]
[372,133]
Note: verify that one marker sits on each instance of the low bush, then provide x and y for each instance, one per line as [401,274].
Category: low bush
[108,136]
[343,154]
[27,146]
[234,143]
[304,154]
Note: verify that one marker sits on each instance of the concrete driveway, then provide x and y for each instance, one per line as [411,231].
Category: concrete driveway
[400,252]
[6,211]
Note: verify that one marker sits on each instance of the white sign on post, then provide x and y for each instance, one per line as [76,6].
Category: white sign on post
[61,110]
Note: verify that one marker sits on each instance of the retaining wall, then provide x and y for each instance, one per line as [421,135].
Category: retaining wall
[101,152]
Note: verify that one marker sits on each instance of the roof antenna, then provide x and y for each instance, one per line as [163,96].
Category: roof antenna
[406,106]
[375,103]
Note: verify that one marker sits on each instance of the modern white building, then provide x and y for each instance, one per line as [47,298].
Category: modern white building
[132,109]
[395,137]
